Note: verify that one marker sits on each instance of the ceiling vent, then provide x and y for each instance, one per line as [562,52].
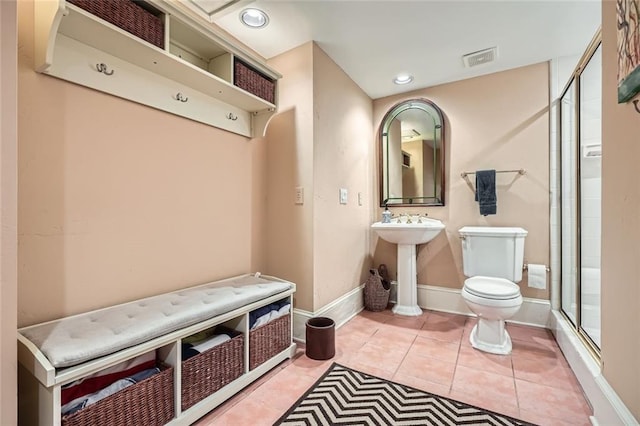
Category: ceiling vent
[209,8]
[480,57]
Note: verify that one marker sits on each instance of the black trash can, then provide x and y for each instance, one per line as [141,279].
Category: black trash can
[320,338]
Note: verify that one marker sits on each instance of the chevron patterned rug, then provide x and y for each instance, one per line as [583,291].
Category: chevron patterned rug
[343,396]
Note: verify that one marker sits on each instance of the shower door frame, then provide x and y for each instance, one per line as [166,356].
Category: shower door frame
[575,81]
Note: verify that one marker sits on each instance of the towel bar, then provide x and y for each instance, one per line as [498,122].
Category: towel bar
[519,171]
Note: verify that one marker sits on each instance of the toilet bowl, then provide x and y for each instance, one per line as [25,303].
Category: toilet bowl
[492,258]
[493,300]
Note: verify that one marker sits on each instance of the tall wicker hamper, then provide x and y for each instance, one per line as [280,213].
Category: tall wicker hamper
[376,297]
[269,340]
[204,374]
[149,402]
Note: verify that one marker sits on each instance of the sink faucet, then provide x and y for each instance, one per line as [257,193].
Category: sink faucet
[407,215]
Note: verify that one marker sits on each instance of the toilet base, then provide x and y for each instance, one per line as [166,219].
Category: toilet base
[491,336]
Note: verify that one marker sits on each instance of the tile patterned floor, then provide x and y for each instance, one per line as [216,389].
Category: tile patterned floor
[430,352]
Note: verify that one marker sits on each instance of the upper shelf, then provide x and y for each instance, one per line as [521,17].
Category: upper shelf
[182,31]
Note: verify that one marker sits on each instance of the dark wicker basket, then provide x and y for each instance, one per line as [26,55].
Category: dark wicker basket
[376,297]
[129,16]
[269,340]
[253,81]
[204,374]
[149,402]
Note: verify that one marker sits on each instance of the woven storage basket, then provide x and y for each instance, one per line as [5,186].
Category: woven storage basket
[129,16]
[376,297]
[149,403]
[253,81]
[204,374]
[269,340]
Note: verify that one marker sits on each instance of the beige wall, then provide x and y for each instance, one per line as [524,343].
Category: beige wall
[342,159]
[394,151]
[321,141]
[119,201]
[290,153]
[318,143]
[413,176]
[620,228]
[8,203]
[498,121]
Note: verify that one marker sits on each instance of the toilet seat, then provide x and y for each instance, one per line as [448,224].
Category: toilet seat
[492,288]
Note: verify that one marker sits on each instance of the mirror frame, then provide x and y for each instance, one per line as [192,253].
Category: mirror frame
[392,113]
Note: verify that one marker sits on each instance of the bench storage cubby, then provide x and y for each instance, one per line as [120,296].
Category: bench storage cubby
[149,402]
[196,375]
[204,374]
[268,340]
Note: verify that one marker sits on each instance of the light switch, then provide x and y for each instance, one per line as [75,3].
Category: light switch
[359,198]
[343,195]
[299,195]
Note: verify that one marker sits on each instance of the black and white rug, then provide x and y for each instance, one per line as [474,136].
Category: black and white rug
[343,396]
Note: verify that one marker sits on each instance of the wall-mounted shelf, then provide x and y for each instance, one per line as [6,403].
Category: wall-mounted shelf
[71,41]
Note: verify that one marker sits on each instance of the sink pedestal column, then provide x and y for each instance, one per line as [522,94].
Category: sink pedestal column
[407,303]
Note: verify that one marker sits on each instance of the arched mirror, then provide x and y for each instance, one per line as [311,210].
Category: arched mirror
[412,155]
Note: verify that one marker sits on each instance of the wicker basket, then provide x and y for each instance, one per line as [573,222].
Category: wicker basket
[149,402]
[204,374]
[376,297]
[129,16]
[253,81]
[269,340]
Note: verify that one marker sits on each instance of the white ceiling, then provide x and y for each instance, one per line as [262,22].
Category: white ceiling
[372,41]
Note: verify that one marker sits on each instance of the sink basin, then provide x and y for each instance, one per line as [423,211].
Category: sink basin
[407,232]
[419,230]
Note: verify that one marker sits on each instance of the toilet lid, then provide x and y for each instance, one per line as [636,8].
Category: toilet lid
[492,288]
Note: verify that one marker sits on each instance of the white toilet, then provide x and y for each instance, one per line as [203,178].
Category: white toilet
[492,258]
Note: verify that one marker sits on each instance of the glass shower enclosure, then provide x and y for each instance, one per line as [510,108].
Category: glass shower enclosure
[580,195]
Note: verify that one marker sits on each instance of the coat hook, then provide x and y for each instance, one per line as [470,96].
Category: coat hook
[180,98]
[635,104]
[230,116]
[101,67]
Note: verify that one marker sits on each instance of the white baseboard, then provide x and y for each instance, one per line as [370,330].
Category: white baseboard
[608,408]
[533,311]
[340,311]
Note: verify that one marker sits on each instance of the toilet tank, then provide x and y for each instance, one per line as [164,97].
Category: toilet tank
[493,251]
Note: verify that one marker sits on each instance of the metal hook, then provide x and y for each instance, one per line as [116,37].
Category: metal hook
[181,98]
[230,116]
[101,67]
[635,105]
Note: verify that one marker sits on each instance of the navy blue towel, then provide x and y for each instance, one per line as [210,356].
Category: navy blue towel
[486,191]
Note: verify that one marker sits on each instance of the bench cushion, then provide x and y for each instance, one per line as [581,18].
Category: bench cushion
[74,340]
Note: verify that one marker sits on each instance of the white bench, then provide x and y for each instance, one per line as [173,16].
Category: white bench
[58,352]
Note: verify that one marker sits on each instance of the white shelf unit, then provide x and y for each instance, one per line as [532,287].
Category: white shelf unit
[44,381]
[196,62]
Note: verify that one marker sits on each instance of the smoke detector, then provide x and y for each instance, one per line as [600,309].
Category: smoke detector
[480,57]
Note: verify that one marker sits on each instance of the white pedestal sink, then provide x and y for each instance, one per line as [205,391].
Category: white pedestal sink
[407,232]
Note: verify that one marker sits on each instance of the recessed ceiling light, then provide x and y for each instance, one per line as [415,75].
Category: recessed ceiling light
[254,18]
[403,79]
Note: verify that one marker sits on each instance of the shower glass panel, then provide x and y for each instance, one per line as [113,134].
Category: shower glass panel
[580,195]
[569,197]
[590,195]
